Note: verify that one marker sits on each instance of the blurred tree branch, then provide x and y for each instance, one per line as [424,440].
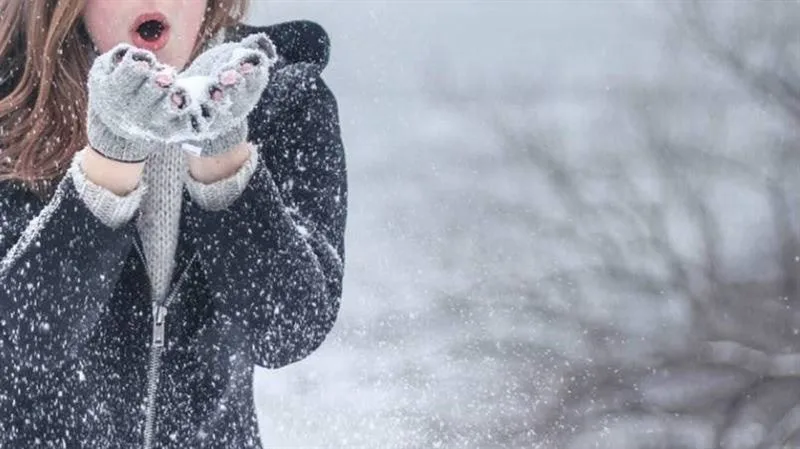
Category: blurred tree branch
[669,350]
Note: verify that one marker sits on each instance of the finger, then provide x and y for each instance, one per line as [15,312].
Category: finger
[133,70]
[229,77]
[250,65]
[216,93]
[262,43]
[179,99]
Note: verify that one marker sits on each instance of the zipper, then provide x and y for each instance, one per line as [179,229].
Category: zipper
[144,261]
[152,377]
[156,349]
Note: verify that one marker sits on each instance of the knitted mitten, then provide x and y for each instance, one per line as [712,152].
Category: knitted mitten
[221,87]
[130,111]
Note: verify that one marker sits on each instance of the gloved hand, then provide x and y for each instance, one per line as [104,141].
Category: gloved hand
[220,88]
[131,112]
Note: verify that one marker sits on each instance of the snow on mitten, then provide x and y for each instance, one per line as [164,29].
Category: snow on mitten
[130,111]
[221,87]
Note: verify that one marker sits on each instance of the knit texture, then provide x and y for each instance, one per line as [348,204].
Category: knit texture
[266,292]
[117,148]
[159,220]
[129,114]
[221,69]
[166,173]
[111,209]
[159,197]
[221,143]
[221,194]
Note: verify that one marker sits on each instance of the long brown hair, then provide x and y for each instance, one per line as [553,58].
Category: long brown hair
[44,64]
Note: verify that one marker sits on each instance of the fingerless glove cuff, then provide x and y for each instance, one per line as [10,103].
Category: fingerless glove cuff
[115,147]
[219,144]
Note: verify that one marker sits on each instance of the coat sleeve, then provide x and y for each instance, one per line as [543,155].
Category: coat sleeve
[59,264]
[274,259]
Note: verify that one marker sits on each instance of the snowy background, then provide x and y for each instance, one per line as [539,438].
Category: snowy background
[543,192]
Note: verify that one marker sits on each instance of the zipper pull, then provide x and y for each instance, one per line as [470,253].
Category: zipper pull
[159,322]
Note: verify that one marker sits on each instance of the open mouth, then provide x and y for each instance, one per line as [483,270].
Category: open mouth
[150,31]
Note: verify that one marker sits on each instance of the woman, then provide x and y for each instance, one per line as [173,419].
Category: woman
[192,232]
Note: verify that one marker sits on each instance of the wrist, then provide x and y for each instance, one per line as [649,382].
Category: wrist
[118,177]
[211,169]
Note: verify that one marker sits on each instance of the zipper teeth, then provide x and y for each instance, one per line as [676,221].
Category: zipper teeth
[144,261]
[152,385]
[180,280]
[155,358]
[171,296]
[152,381]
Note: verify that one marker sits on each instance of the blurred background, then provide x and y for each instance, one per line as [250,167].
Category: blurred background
[572,224]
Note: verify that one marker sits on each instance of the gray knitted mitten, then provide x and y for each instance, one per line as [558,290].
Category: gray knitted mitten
[220,88]
[130,112]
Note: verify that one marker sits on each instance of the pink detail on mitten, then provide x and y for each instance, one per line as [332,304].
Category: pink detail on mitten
[178,100]
[229,77]
[164,79]
[216,94]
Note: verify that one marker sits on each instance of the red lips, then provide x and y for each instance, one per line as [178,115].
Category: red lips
[150,31]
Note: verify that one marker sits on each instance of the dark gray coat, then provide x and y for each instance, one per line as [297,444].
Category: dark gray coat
[258,283]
